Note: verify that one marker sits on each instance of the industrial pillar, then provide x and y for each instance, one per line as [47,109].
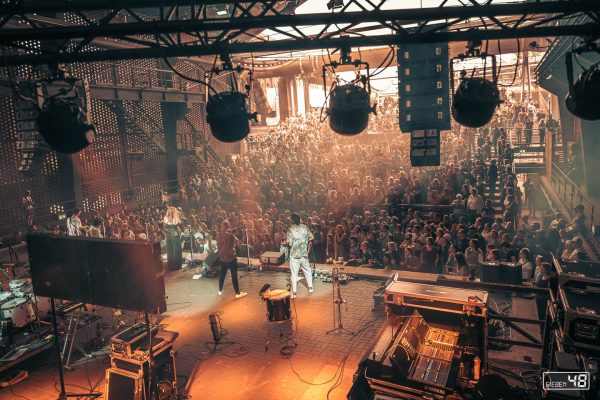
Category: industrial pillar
[171,113]
[306,84]
[284,99]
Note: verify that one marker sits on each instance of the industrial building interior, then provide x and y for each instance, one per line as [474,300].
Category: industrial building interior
[299,199]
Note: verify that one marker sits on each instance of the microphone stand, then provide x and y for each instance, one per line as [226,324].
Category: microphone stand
[338,326]
[248,250]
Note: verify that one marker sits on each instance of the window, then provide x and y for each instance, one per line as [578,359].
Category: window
[440,115]
[438,68]
[439,85]
[407,88]
[440,101]
[438,51]
[408,118]
[407,103]
[406,71]
[406,55]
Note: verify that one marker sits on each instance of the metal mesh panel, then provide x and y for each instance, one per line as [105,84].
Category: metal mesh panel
[45,186]
[102,170]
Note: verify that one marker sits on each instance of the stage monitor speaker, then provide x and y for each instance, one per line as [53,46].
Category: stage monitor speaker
[272,257]
[212,260]
[510,273]
[110,273]
[489,272]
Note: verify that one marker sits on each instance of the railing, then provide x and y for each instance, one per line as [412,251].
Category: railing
[571,193]
[148,78]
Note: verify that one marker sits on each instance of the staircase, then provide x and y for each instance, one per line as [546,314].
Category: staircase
[137,121]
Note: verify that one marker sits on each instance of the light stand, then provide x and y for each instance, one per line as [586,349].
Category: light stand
[338,326]
[248,251]
[63,395]
[217,332]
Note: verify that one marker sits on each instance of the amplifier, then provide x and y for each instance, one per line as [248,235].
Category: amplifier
[501,272]
[272,257]
[127,341]
[581,317]
[435,297]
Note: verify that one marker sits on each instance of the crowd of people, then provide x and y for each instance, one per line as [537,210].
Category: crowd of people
[364,203]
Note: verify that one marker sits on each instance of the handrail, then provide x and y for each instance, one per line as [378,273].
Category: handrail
[564,183]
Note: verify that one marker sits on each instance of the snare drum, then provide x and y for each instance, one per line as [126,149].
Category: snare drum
[278,306]
[20,310]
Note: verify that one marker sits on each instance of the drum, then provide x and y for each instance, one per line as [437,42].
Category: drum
[20,310]
[5,296]
[278,306]
[21,287]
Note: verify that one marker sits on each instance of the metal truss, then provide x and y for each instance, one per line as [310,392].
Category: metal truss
[38,32]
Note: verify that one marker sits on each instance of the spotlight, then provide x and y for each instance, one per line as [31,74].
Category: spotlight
[582,99]
[289,8]
[222,10]
[349,108]
[474,102]
[63,125]
[349,104]
[476,99]
[334,4]
[227,116]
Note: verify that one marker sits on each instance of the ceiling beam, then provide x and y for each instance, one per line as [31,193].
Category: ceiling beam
[266,22]
[304,44]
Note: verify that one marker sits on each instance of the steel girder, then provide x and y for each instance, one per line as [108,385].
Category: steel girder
[187,28]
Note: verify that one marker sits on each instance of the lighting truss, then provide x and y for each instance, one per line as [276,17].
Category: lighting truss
[98,30]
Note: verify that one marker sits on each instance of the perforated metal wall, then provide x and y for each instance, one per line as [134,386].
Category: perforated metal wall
[45,185]
[102,167]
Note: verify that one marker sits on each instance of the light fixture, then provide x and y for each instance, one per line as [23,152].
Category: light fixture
[222,10]
[62,123]
[349,104]
[335,4]
[289,8]
[476,99]
[349,108]
[582,99]
[228,117]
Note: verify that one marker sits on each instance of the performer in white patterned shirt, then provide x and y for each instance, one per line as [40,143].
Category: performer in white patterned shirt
[299,239]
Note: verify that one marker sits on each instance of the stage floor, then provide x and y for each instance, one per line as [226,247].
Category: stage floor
[321,362]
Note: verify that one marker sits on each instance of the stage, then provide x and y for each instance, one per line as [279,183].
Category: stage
[318,360]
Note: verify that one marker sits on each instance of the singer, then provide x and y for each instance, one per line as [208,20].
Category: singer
[299,238]
[171,221]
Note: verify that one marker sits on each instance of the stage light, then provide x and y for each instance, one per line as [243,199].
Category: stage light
[582,99]
[335,4]
[349,108]
[62,123]
[227,116]
[222,10]
[474,102]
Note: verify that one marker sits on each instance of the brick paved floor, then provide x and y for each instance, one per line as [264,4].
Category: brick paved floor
[259,374]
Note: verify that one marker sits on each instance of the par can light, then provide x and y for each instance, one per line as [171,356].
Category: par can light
[349,108]
[64,127]
[582,100]
[227,116]
[475,101]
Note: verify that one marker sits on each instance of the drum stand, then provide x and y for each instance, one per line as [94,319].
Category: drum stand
[281,335]
[338,326]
